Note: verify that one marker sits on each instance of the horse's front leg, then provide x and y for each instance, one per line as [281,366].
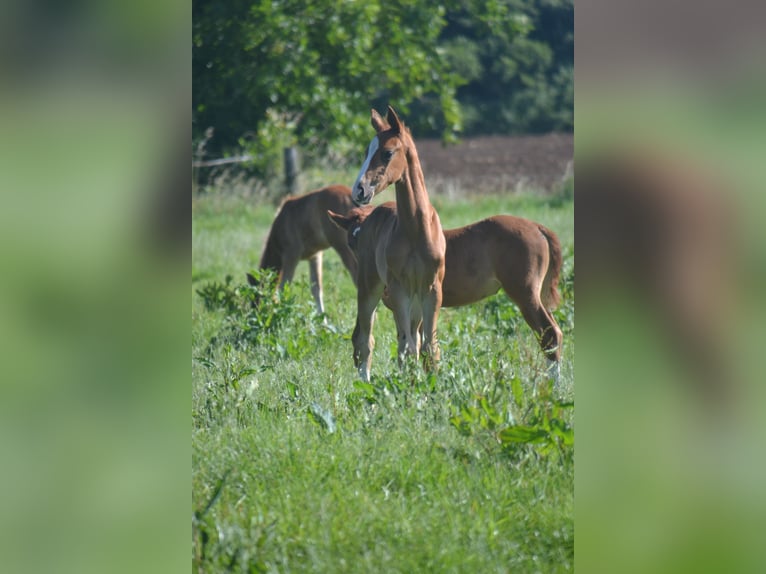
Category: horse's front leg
[431,305]
[289,264]
[362,338]
[315,275]
[408,338]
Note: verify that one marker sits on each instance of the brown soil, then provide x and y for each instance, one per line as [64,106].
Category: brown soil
[497,164]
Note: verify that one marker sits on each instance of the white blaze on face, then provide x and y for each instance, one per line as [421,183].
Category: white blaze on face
[373,147]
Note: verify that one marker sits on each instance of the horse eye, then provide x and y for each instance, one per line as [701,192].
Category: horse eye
[387,155]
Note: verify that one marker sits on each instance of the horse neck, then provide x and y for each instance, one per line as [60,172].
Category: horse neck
[412,203]
[272,254]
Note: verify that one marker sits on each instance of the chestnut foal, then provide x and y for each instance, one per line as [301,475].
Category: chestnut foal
[301,231]
[410,261]
[519,255]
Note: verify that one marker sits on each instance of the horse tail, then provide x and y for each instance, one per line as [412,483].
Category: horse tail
[550,293]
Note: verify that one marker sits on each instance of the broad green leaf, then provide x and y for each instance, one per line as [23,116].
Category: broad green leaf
[523,434]
[518,394]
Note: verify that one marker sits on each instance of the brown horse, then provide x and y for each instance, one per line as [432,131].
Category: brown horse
[660,228]
[410,262]
[519,255]
[301,231]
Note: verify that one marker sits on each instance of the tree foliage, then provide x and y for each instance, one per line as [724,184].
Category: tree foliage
[521,75]
[274,73]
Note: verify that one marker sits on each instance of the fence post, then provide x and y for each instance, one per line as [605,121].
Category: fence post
[292,170]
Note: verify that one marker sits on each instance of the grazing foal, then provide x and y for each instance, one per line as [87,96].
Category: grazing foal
[519,255]
[410,262]
[301,231]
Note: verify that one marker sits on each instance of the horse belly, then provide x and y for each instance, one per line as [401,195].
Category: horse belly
[459,291]
[312,241]
[469,274]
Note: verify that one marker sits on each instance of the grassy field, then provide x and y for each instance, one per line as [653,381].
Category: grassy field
[298,466]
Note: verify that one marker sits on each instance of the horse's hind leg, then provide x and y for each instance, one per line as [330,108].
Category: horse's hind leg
[548,334]
[315,274]
[527,295]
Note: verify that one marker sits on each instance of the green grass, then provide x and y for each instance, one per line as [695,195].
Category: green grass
[298,466]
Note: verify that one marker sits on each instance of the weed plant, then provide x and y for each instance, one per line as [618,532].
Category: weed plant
[299,466]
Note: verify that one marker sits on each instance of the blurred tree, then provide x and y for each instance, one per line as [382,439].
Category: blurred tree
[274,73]
[525,54]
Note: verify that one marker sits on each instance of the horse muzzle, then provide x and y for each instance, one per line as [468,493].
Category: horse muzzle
[362,195]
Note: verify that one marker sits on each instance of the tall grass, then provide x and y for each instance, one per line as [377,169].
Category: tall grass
[299,466]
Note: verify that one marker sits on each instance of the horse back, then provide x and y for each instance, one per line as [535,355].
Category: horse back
[502,250]
[302,222]
[517,243]
[336,198]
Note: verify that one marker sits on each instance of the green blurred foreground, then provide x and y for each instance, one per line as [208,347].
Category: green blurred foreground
[298,466]
[670,394]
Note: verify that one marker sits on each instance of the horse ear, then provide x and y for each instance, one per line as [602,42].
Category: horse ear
[340,221]
[377,121]
[394,120]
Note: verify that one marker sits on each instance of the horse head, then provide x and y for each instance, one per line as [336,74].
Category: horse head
[386,159]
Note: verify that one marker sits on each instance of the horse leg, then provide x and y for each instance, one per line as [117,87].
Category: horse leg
[289,263]
[411,338]
[408,339]
[416,328]
[527,295]
[548,334]
[315,274]
[402,340]
[431,305]
[362,338]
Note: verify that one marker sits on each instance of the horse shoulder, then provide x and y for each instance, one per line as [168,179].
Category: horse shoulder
[281,221]
[298,225]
